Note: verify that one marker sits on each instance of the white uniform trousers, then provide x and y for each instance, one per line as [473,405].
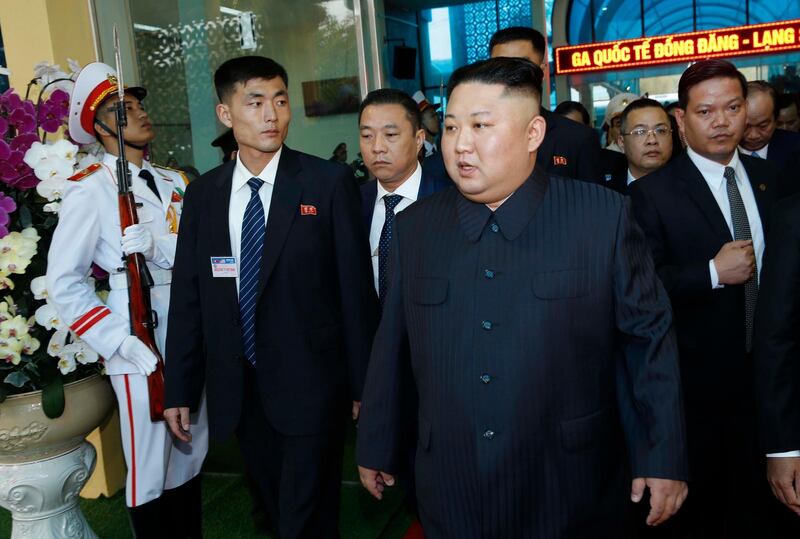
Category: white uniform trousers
[156,460]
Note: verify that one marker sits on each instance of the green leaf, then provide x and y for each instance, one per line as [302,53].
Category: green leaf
[25,218]
[53,398]
[17,379]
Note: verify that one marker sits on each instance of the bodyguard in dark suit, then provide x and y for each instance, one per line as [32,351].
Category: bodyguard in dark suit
[387,140]
[569,149]
[524,299]
[761,138]
[776,348]
[703,215]
[645,138]
[273,311]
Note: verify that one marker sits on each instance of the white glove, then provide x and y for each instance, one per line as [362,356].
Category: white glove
[138,239]
[137,353]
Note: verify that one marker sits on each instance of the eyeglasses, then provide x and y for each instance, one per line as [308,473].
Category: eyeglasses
[642,133]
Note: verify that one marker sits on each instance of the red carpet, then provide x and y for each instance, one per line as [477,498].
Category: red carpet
[414,531]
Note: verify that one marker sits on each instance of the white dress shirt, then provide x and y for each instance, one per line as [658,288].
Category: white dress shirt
[761,152]
[713,173]
[240,196]
[409,190]
[631,179]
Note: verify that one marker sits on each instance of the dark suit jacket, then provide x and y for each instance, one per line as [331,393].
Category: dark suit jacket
[685,229]
[783,146]
[514,338]
[428,185]
[317,308]
[569,149]
[776,340]
[614,169]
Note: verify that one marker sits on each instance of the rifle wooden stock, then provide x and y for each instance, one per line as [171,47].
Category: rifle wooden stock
[141,312]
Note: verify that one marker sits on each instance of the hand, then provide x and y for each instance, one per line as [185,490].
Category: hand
[137,353]
[178,422]
[375,481]
[783,474]
[356,410]
[138,239]
[735,262]
[666,497]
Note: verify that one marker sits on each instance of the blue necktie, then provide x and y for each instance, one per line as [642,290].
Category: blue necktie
[250,266]
[755,154]
[390,201]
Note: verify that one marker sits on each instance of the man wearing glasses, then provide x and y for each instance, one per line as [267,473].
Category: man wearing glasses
[646,138]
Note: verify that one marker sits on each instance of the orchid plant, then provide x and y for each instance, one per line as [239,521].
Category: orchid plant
[33,175]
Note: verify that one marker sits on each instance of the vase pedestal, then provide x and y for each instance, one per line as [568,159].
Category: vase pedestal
[43,495]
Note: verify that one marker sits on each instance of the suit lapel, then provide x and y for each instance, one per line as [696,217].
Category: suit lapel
[217,213]
[545,152]
[698,190]
[368,194]
[165,185]
[283,207]
[761,191]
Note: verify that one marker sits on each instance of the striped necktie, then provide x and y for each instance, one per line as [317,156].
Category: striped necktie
[253,228]
[741,231]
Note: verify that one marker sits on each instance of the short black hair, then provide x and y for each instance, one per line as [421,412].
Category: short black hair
[565,107]
[245,68]
[638,104]
[704,70]
[672,106]
[390,96]
[518,33]
[755,86]
[787,100]
[518,75]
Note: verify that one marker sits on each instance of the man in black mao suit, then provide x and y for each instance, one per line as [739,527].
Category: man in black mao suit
[704,216]
[281,362]
[522,298]
[776,351]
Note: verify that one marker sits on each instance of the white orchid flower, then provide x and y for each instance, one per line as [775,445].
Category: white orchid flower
[30,234]
[52,207]
[47,73]
[36,154]
[47,317]
[10,349]
[39,287]
[53,167]
[63,149]
[82,353]
[66,363]
[56,344]
[73,65]
[52,188]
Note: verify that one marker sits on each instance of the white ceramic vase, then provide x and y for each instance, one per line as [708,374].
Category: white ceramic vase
[45,462]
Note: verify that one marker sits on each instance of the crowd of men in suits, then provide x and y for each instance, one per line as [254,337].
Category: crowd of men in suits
[528,352]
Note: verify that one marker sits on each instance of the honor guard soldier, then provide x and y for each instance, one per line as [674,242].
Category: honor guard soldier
[163,482]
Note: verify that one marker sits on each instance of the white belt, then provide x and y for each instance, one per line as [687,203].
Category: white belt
[119,281]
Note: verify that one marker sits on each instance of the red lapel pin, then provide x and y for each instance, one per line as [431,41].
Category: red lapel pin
[308,209]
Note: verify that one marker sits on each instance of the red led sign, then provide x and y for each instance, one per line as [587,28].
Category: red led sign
[737,41]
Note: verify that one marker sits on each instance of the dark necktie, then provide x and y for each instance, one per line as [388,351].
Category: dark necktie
[147,176]
[755,154]
[391,202]
[741,231]
[252,244]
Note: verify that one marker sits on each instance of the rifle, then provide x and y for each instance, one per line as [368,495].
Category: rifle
[142,317]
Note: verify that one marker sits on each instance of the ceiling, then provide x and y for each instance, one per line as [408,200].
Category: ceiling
[415,5]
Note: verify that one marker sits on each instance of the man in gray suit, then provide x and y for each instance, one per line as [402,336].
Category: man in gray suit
[539,336]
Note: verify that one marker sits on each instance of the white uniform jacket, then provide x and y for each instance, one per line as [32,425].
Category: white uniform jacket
[89,231]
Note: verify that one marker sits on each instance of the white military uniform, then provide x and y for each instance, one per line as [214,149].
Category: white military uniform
[89,231]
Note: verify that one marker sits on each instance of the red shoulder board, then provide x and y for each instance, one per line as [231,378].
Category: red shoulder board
[85,172]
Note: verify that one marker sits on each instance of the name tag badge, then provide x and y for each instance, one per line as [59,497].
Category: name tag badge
[224,266]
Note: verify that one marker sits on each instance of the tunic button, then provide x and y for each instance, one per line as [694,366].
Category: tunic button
[489,434]
[485,378]
[489,274]
[486,324]
[494,227]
